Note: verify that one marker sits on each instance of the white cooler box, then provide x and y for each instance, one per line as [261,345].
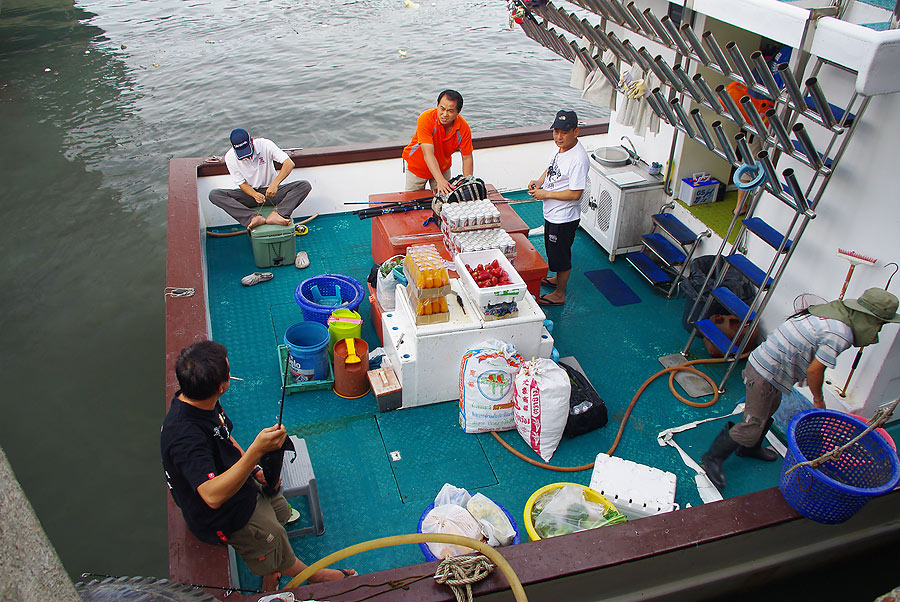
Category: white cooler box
[427,358]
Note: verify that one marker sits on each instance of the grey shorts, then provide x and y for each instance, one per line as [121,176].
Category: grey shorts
[263,542]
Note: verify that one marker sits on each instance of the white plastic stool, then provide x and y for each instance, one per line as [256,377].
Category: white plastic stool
[298,478]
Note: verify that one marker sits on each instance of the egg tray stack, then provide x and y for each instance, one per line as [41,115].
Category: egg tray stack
[428,284]
[474,226]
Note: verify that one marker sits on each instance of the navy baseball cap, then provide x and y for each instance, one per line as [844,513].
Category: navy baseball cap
[565,120]
[240,140]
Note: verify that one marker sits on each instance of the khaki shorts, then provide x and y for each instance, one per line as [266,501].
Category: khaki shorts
[263,542]
[761,402]
[414,182]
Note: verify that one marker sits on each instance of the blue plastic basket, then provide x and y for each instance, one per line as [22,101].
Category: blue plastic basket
[320,295]
[426,551]
[837,489]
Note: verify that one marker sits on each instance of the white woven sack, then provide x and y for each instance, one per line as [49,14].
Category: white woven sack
[486,387]
[542,405]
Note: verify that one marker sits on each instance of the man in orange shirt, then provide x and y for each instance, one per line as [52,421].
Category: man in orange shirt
[439,133]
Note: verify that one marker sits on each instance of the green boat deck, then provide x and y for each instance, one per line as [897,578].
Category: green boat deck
[364,494]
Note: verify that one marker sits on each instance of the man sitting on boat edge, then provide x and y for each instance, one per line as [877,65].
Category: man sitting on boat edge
[251,163]
[428,156]
[215,482]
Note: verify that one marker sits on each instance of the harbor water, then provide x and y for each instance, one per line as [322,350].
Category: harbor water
[95,98]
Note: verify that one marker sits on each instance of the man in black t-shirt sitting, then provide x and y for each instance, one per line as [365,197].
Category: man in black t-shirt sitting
[215,482]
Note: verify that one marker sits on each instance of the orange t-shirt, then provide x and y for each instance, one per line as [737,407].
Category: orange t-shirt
[430,131]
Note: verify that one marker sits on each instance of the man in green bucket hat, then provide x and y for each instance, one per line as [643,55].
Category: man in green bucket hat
[798,350]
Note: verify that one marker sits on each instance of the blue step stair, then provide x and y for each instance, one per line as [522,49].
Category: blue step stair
[675,227]
[652,272]
[748,269]
[661,245]
[734,304]
[767,233]
[716,337]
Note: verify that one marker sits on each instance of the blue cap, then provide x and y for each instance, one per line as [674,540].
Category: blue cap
[240,140]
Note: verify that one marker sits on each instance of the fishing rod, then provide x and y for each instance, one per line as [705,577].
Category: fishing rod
[287,363]
[227,590]
[376,211]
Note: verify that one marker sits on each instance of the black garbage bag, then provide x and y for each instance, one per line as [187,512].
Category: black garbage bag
[586,409]
[736,282]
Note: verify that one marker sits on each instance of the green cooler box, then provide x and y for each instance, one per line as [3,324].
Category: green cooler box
[273,245]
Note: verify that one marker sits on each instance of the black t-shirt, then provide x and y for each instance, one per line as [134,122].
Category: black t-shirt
[196,446]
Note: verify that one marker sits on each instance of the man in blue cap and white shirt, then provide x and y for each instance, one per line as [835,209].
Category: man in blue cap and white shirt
[250,162]
[560,188]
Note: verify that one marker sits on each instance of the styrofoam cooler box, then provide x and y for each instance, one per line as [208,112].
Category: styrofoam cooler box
[636,490]
[693,192]
[492,294]
[426,358]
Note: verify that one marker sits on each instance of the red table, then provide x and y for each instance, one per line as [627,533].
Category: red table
[394,232]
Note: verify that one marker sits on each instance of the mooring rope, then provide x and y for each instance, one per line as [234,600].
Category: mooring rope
[881,416]
[461,572]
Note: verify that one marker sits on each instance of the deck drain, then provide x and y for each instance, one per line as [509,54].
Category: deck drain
[395,456]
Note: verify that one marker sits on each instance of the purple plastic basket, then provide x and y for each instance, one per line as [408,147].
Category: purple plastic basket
[320,295]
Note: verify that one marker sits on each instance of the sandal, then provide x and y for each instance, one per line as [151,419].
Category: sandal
[256,278]
[295,516]
[302,260]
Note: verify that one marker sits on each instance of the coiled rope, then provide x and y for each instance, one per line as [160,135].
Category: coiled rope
[460,572]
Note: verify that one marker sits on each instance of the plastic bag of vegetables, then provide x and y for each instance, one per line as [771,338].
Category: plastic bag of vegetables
[386,285]
[494,523]
[565,510]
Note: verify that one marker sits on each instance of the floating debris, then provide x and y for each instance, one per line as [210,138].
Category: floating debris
[411,4]
[46,69]
[123,47]
[156,64]
[402,53]
[210,41]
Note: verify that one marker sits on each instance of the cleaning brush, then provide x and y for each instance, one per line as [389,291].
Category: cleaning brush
[855,259]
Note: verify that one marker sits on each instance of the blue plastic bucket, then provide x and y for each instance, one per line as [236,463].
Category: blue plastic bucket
[307,344]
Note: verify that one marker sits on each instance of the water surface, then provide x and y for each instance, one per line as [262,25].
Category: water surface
[95,98]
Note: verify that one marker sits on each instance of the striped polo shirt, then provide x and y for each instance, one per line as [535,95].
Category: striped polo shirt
[784,357]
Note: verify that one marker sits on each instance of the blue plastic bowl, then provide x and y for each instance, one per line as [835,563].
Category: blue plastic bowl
[424,546]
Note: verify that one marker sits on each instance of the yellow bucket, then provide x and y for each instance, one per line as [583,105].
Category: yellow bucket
[589,494]
[343,324]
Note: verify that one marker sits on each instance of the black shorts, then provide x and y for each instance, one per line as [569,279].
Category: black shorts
[558,239]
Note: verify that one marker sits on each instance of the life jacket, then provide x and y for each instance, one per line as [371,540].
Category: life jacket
[762,103]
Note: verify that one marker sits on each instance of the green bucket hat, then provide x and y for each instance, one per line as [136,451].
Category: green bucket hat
[876,302]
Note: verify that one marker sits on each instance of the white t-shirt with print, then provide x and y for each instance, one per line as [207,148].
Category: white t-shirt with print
[258,169]
[567,171]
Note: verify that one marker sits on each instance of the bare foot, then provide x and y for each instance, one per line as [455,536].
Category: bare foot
[257,220]
[331,575]
[277,220]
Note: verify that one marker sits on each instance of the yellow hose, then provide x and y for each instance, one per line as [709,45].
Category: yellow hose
[394,540]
